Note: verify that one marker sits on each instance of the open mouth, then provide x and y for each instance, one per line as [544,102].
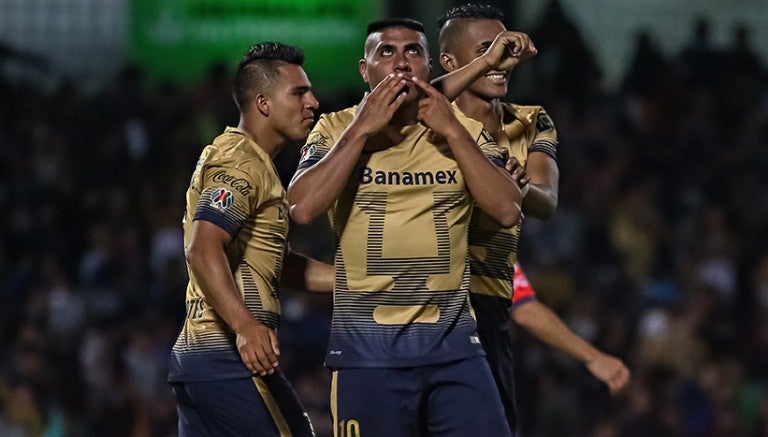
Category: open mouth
[497,78]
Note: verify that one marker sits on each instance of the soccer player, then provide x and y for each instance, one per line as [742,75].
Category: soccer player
[224,366]
[398,175]
[478,54]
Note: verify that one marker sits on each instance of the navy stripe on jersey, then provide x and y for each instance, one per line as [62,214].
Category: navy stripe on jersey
[311,154]
[253,299]
[357,340]
[544,146]
[231,219]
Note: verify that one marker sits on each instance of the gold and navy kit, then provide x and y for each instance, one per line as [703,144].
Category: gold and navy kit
[235,186]
[400,298]
[493,251]
[492,248]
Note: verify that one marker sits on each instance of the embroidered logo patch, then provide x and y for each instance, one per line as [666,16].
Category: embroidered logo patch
[222,199]
[543,122]
[308,151]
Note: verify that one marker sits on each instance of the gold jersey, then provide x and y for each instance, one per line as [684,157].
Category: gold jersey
[401,223]
[235,186]
[492,248]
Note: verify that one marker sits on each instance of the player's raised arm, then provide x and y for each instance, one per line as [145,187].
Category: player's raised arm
[503,54]
[492,187]
[313,190]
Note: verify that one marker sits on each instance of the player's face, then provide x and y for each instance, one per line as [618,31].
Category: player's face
[477,37]
[293,104]
[396,50]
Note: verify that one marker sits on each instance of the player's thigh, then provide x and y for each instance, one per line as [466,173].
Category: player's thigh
[240,406]
[463,401]
[498,349]
[375,402]
[191,423]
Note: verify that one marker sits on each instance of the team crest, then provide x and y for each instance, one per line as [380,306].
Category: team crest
[222,199]
[543,122]
[308,151]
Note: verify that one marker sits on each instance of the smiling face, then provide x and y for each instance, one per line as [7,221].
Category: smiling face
[292,104]
[396,50]
[476,36]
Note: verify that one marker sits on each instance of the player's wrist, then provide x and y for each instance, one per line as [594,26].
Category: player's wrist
[485,62]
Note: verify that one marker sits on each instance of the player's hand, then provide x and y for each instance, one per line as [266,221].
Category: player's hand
[258,348]
[517,171]
[508,49]
[435,111]
[611,371]
[379,105]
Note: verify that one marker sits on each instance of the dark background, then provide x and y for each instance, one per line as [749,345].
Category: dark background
[656,253]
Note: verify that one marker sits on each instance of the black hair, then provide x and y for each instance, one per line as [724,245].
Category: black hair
[451,32]
[408,23]
[272,51]
[258,71]
[472,10]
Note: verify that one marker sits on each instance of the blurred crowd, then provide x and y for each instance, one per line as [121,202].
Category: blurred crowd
[655,254]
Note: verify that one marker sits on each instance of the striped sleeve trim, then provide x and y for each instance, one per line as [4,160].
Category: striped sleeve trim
[544,146]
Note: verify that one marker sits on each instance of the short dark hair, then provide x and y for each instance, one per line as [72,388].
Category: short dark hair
[451,32]
[408,23]
[257,71]
[477,11]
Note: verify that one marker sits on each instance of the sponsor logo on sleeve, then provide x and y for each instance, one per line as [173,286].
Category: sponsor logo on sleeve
[308,151]
[222,199]
[238,184]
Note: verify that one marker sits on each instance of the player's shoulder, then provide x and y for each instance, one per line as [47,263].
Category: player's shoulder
[525,113]
[530,115]
[235,149]
[473,126]
[337,119]
[328,128]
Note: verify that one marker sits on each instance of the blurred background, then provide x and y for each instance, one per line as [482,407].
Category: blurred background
[657,252]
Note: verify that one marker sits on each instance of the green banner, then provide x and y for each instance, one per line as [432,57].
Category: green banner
[179,39]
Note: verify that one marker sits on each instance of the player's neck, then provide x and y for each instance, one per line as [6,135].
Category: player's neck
[485,111]
[265,138]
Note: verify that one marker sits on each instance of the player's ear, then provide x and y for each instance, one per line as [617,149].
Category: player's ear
[363,67]
[430,64]
[448,61]
[262,104]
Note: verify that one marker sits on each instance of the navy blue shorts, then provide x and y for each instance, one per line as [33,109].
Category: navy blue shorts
[451,399]
[263,406]
[498,349]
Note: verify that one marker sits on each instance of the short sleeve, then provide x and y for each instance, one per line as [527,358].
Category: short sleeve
[545,140]
[227,197]
[319,142]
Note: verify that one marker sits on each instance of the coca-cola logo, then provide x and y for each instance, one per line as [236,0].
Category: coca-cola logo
[240,185]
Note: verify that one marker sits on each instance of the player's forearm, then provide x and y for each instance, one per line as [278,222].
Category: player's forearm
[319,276]
[493,188]
[314,191]
[457,81]
[212,273]
[545,325]
[304,273]
[540,202]
[542,197]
